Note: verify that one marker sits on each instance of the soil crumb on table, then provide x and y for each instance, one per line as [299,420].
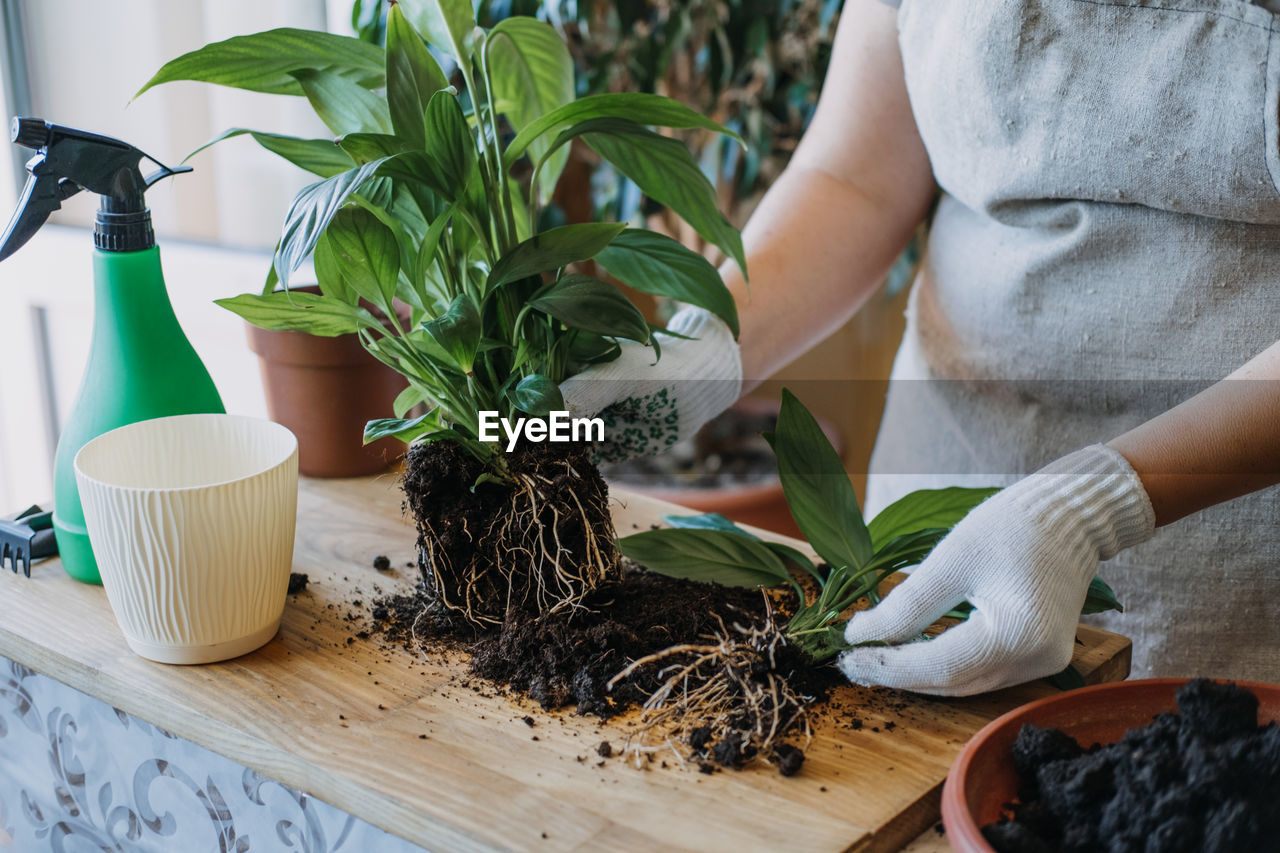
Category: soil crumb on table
[1204,779]
[297,582]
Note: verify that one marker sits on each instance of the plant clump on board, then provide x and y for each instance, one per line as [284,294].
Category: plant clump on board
[432,194]
[731,687]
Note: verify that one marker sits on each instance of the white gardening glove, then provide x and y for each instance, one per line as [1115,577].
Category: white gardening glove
[1024,559]
[648,407]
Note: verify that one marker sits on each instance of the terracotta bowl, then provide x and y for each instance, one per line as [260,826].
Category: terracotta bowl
[983,779]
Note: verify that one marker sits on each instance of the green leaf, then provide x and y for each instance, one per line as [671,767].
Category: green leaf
[413,76]
[343,106]
[654,263]
[551,250]
[272,281]
[458,331]
[405,430]
[707,521]
[450,144]
[925,508]
[908,549]
[583,302]
[264,62]
[367,255]
[532,75]
[411,396]
[329,272]
[640,107]
[320,157]
[427,250]
[710,556]
[313,313]
[589,348]
[420,342]
[486,477]
[665,171]
[796,556]
[818,491]
[716,521]
[449,25]
[1100,598]
[365,147]
[308,216]
[538,395]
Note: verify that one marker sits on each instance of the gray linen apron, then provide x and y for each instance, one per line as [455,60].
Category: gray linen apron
[1107,244]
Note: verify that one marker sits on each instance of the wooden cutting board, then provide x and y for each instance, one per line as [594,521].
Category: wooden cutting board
[343,718]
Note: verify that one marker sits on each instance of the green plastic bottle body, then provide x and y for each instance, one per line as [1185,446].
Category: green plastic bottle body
[141,366]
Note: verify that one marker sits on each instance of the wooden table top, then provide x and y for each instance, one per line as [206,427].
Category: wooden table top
[343,718]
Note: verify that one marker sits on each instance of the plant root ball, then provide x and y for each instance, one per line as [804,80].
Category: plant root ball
[537,545]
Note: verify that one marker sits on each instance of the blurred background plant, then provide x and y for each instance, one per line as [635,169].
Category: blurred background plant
[755,66]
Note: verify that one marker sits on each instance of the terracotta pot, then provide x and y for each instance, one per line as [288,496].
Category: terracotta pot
[325,390]
[983,779]
[758,504]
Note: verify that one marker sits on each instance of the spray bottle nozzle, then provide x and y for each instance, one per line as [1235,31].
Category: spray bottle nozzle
[69,160]
[29,132]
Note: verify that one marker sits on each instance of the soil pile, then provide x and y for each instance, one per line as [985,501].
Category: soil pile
[560,662]
[565,660]
[1204,779]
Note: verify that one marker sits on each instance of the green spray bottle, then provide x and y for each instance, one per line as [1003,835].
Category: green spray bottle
[141,365]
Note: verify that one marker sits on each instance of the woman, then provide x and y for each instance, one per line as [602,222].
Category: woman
[1104,253]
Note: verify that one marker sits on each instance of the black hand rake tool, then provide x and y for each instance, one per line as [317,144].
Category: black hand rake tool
[25,537]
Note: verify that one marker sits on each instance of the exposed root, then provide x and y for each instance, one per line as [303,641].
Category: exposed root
[539,544]
[726,701]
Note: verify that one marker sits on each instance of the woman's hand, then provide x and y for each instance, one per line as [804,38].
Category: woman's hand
[648,407]
[1024,560]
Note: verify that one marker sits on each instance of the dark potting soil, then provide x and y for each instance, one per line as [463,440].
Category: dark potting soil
[297,582]
[1204,779]
[560,662]
[729,450]
[569,661]
[487,547]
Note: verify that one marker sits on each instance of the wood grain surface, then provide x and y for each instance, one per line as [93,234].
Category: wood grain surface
[412,745]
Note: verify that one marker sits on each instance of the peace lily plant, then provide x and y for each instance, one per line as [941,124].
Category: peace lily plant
[432,195]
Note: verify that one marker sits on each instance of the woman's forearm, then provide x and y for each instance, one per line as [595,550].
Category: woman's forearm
[1221,444]
[828,230]
[816,250]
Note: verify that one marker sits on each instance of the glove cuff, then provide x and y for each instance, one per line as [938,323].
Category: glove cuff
[1103,490]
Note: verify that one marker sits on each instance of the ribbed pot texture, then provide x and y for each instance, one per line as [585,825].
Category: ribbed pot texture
[192,522]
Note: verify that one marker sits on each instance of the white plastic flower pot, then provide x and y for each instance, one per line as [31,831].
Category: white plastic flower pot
[192,520]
